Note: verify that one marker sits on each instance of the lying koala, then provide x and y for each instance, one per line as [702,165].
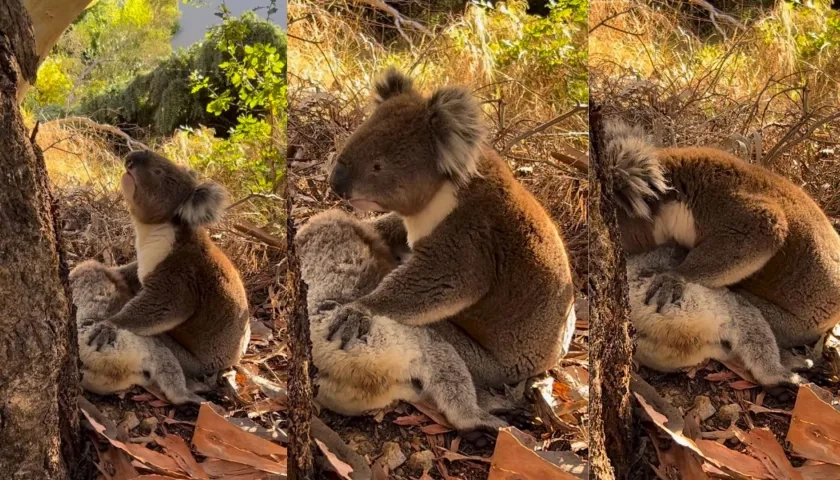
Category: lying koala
[342,259]
[98,293]
[715,323]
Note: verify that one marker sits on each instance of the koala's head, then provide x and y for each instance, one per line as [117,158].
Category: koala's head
[158,191]
[409,147]
[97,291]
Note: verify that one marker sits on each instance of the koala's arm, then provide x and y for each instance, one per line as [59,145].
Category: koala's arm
[392,229]
[745,237]
[129,274]
[435,283]
[159,307]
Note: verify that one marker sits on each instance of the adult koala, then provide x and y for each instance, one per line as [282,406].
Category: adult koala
[488,270]
[189,299]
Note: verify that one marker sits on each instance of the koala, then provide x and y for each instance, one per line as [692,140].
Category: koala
[745,228]
[99,292]
[714,323]
[342,259]
[488,270]
[190,296]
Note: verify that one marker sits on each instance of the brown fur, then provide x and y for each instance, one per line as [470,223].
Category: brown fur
[490,272]
[756,232]
[192,296]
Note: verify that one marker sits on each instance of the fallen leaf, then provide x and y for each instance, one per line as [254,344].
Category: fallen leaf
[457,457]
[217,438]
[341,468]
[721,376]
[742,385]
[759,409]
[764,446]
[435,429]
[180,452]
[734,364]
[149,458]
[119,464]
[823,471]
[261,407]
[158,403]
[814,431]
[222,469]
[432,413]
[513,460]
[410,420]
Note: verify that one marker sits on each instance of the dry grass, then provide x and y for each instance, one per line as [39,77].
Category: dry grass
[740,85]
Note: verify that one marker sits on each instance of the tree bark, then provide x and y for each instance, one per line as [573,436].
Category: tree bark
[50,18]
[610,347]
[301,465]
[39,378]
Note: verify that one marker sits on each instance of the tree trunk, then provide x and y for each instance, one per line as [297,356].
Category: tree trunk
[301,465]
[610,347]
[39,378]
[50,18]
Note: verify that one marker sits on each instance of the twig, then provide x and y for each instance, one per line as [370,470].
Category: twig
[571,161]
[544,126]
[268,196]
[259,234]
[715,14]
[34,132]
[603,23]
[399,19]
[130,142]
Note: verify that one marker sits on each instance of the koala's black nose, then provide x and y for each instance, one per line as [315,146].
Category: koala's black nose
[340,180]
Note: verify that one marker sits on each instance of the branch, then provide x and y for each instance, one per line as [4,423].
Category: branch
[130,142]
[260,234]
[715,14]
[399,19]
[544,126]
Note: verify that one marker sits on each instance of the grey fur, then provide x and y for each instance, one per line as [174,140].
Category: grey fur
[130,359]
[706,323]
[342,259]
[456,120]
[390,84]
[638,173]
[205,205]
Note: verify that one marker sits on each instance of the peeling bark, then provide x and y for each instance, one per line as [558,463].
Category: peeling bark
[610,347]
[39,378]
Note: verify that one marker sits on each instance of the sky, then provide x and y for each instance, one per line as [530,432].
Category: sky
[195,20]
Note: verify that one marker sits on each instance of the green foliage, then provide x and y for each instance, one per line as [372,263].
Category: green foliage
[109,44]
[255,85]
[161,100]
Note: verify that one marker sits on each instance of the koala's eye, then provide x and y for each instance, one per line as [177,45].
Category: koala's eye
[158,171]
[377,167]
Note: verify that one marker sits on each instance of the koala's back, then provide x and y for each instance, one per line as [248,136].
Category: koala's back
[807,265]
[214,332]
[530,296]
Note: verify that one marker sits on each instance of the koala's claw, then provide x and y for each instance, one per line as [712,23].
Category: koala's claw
[352,322]
[103,334]
[666,289]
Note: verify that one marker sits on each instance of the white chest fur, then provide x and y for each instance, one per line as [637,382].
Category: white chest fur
[153,244]
[675,222]
[423,223]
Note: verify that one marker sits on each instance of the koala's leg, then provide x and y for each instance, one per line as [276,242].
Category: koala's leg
[750,338]
[168,376]
[789,330]
[191,365]
[485,369]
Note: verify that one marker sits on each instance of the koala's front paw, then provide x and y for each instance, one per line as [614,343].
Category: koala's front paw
[352,321]
[103,334]
[666,288]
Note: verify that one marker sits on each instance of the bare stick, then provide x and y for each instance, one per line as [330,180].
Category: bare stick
[544,126]
[132,143]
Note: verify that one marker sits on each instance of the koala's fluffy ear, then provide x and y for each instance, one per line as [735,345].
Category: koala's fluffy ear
[455,119]
[205,205]
[391,84]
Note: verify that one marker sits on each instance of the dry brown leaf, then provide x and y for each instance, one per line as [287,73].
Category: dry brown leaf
[721,376]
[735,365]
[410,420]
[435,429]
[766,448]
[755,408]
[342,469]
[261,407]
[814,429]
[222,469]
[718,455]
[217,438]
[823,471]
[680,459]
[177,449]
[457,457]
[742,385]
[512,459]
[119,462]
[150,458]
[432,413]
